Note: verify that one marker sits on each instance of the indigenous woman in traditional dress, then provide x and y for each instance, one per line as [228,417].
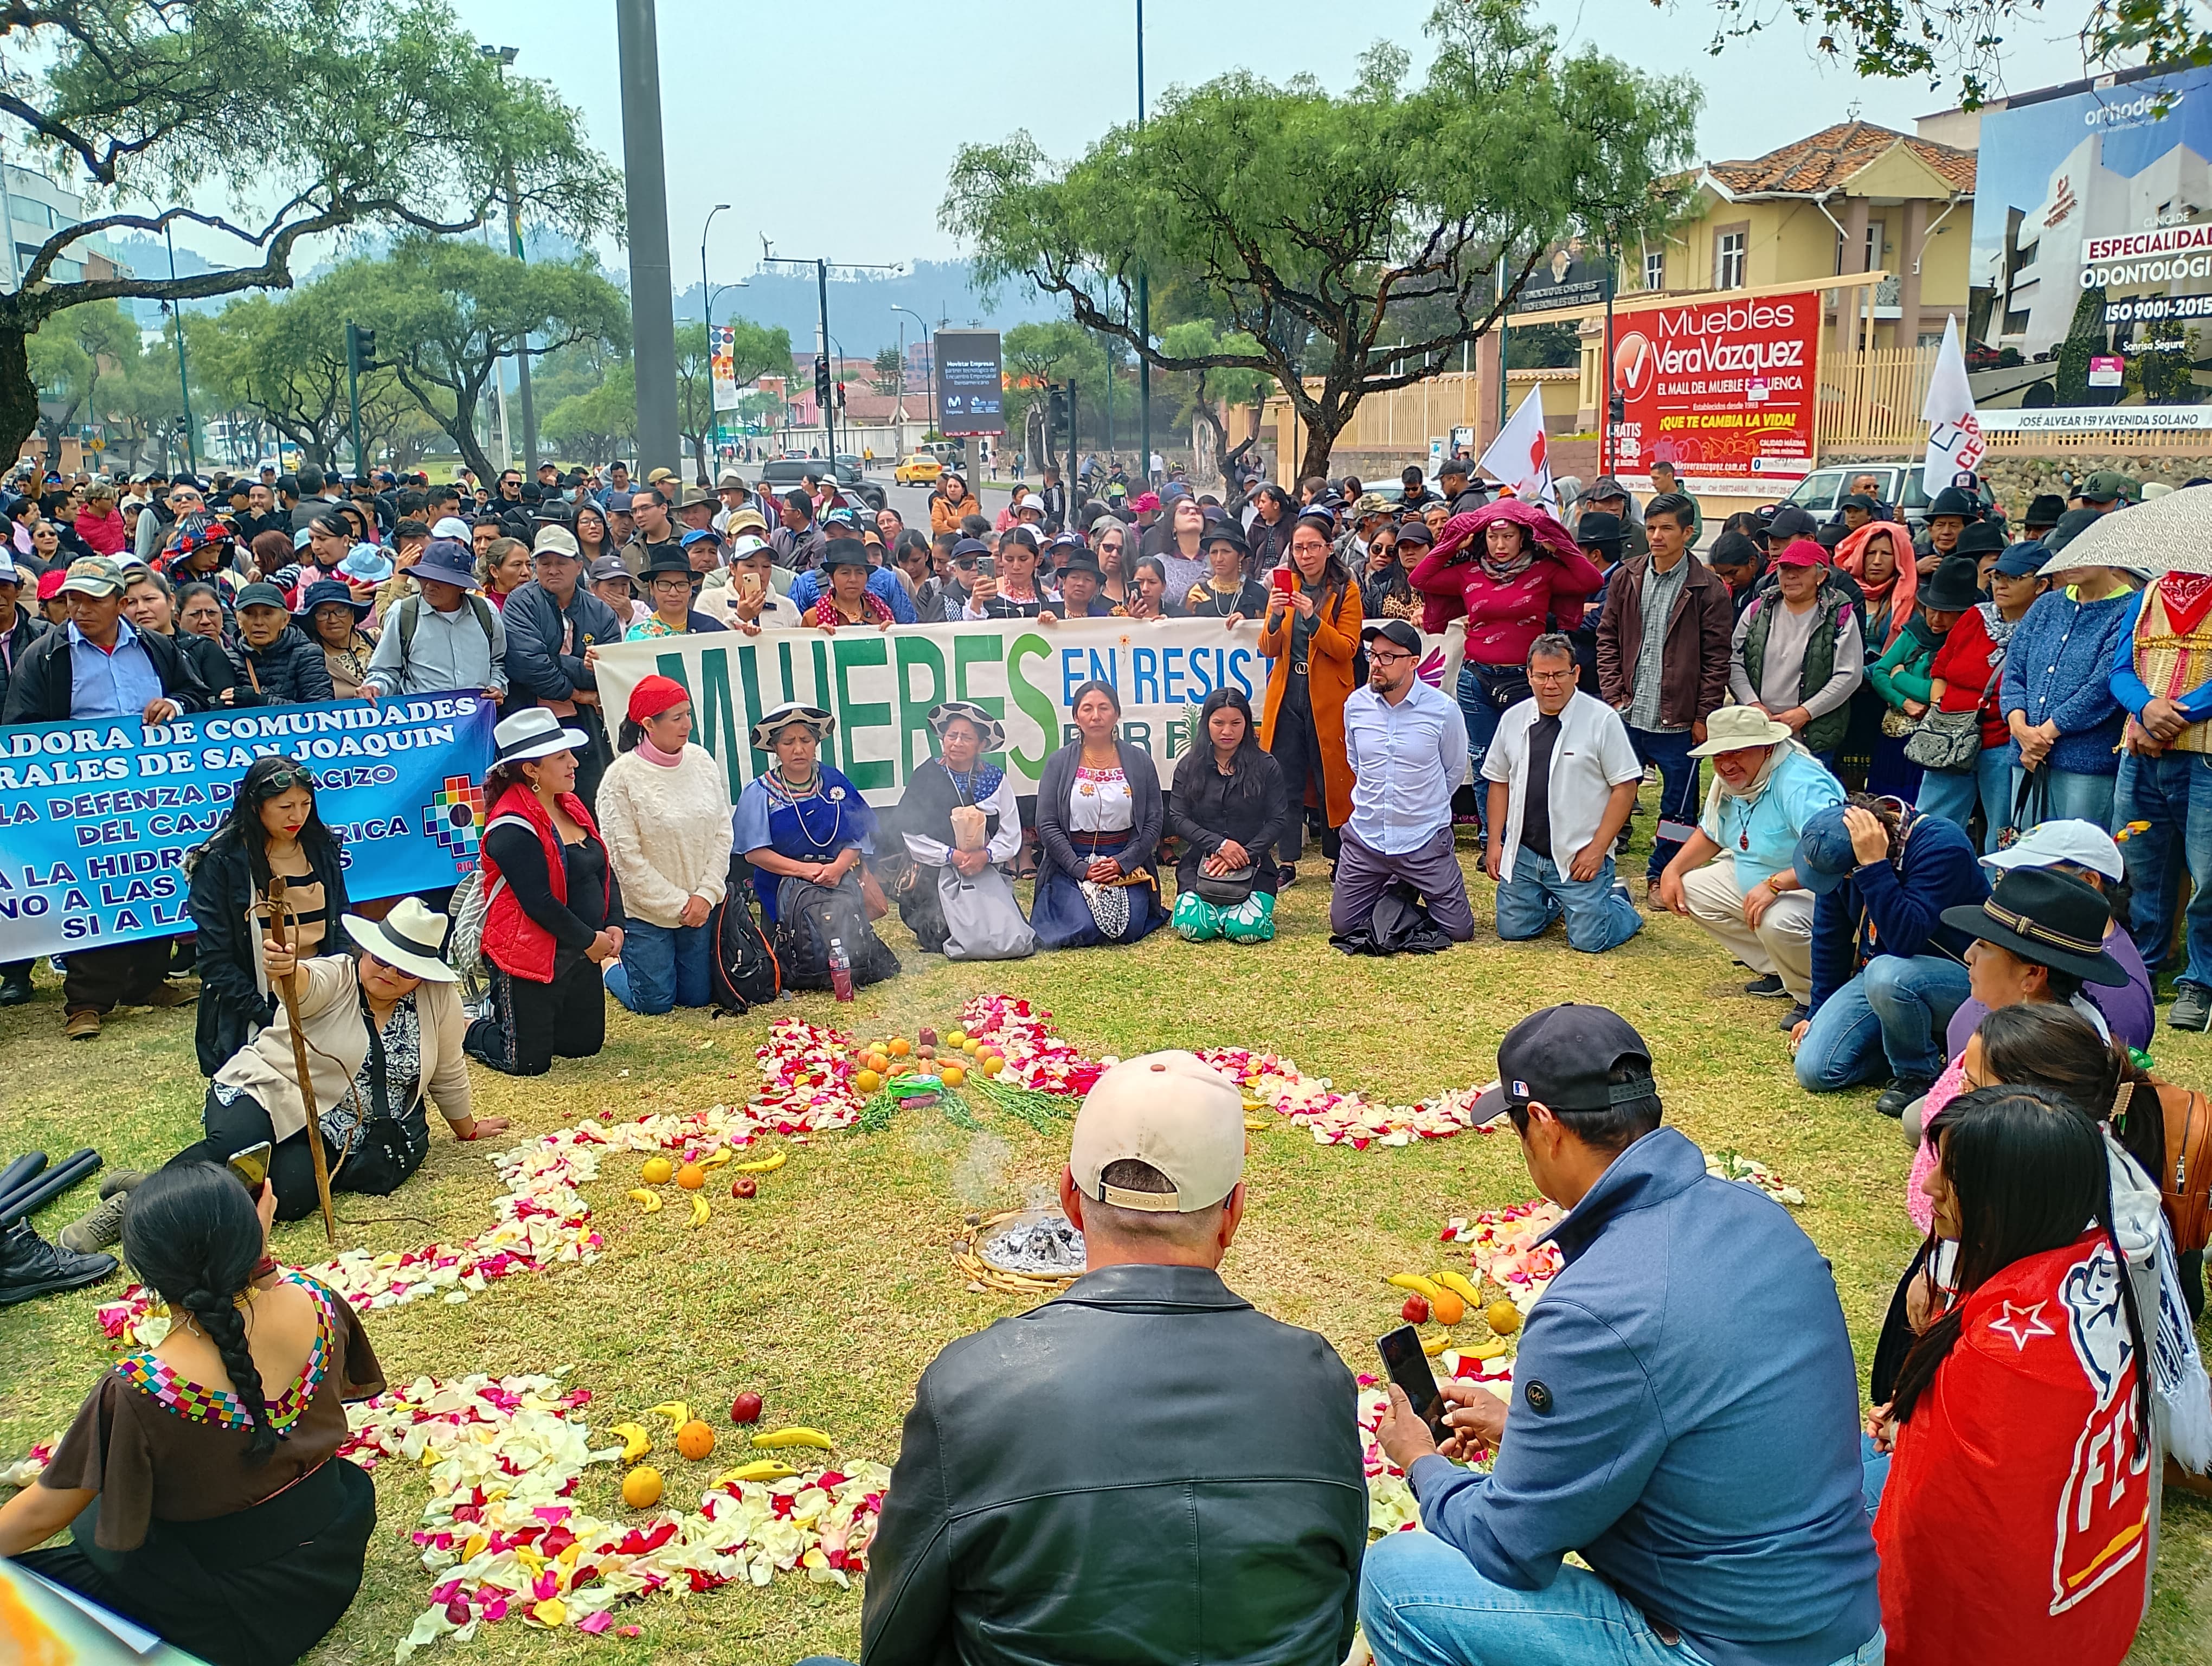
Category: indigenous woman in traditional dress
[802,820]
[1227,808]
[848,602]
[960,904]
[1099,815]
[202,1474]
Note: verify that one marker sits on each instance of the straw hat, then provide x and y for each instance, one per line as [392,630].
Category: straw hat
[1733,728]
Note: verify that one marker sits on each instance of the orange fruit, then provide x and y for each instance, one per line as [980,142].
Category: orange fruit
[1448,1308]
[993,1065]
[1503,1317]
[695,1440]
[866,1081]
[656,1171]
[691,1176]
[878,1062]
[953,1075]
[642,1488]
[901,1047]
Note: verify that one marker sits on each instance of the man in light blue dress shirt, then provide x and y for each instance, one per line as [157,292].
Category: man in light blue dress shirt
[1407,746]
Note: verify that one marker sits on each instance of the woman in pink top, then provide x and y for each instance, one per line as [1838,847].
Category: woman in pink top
[1526,576]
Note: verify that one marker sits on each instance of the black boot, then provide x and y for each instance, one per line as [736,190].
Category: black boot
[16,984]
[29,1266]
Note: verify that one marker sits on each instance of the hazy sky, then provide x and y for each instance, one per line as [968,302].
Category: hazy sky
[747,122]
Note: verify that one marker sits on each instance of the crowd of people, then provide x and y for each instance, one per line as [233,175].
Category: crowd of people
[1950,806]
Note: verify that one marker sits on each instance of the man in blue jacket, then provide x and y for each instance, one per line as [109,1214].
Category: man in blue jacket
[1685,1414]
[1887,973]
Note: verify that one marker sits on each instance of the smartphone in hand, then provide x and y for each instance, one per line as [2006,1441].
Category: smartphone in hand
[252,1165]
[1409,1367]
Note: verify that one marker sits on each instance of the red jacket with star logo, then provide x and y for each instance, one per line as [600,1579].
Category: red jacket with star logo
[2015,1522]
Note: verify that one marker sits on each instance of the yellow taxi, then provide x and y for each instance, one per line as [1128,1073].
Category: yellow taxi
[920,469]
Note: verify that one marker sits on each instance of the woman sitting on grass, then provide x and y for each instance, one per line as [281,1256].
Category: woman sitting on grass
[1227,808]
[202,1474]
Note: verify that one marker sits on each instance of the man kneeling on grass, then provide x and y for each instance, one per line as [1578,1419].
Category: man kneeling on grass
[1146,1469]
[1684,1414]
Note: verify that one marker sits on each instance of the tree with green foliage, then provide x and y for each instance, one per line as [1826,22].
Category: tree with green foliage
[754,351]
[1316,221]
[1202,396]
[447,311]
[890,367]
[283,357]
[338,115]
[600,424]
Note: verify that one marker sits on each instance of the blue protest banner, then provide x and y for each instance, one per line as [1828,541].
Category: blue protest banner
[96,817]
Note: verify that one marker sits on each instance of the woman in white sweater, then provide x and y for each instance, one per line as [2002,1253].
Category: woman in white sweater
[664,811]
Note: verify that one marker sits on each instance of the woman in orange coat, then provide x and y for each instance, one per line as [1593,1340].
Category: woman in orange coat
[1312,634]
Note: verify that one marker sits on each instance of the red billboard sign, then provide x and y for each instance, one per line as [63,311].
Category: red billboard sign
[1725,390]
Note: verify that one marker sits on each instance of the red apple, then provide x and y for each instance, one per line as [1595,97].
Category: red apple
[746,1409]
[744,1186]
[926,1036]
[1416,1310]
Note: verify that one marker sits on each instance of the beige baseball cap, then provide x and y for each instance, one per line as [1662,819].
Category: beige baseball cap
[1172,1110]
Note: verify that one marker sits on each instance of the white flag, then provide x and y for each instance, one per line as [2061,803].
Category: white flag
[1517,455]
[1954,436]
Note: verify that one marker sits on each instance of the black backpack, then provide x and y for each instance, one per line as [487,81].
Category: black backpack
[745,973]
[808,917]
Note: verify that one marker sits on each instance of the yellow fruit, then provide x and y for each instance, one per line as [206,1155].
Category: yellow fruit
[952,1075]
[1447,1307]
[1489,1350]
[695,1440]
[1459,1282]
[636,1443]
[957,1038]
[1503,1317]
[656,1171]
[766,1165]
[971,1046]
[650,1200]
[993,1065]
[699,1210]
[642,1488]
[1414,1281]
[866,1081]
[1433,1345]
[676,1411]
[797,1435]
[759,1469]
[691,1176]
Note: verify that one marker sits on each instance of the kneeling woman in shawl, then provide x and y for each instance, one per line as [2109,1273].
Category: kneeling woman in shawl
[1227,808]
[960,821]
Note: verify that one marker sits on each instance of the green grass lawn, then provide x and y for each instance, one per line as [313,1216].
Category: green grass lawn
[831,1292]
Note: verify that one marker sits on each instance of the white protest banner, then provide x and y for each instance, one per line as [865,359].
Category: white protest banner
[1954,436]
[1518,455]
[880,685]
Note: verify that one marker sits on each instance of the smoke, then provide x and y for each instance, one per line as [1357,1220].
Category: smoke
[980,1175]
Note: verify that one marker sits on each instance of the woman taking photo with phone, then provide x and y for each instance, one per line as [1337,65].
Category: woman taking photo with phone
[1312,636]
[272,831]
[553,919]
[1099,816]
[202,1475]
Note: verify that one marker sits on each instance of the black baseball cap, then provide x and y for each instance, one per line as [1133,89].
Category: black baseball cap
[1564,1057]
[1789,522]
[1394,630]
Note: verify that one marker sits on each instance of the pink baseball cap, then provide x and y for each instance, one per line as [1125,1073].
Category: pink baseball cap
[1802,552]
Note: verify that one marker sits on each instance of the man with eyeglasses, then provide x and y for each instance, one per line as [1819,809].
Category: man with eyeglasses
[1563,778]
[1407,747]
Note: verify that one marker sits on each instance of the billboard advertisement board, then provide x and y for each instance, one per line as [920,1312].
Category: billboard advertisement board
[723,362]
[1571,274]
[970,383]
[2092,221]
[1725,390]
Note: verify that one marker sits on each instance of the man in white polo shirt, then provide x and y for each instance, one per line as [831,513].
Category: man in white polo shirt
[1563,776]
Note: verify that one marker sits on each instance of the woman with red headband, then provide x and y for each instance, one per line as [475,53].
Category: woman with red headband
[665,813]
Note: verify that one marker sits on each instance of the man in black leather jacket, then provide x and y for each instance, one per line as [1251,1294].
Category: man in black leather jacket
[1147,1468]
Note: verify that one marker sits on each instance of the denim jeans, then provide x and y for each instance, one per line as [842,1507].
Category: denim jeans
[1422,1603]
[1598,917]
[1888,1021]
[2171,795]
[1950,794]
[2069,795]
[1481,714]
[663,966]
[1678,792]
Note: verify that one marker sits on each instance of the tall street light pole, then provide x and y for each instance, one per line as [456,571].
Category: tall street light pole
[706,306]
[825,375]
[1143,294]
[652,300]
[184,382]
[924,323]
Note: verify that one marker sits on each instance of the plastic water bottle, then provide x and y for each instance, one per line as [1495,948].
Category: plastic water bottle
[841,970]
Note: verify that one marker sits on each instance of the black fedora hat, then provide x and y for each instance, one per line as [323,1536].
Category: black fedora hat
[1982,538]
[1955,588]
[2046,919]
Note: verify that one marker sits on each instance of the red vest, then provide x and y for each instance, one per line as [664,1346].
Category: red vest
[513,941]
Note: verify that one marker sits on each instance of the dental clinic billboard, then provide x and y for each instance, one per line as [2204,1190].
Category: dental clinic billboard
[2093,204]
[1725,389]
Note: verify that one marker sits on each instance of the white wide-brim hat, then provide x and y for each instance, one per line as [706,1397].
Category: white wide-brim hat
[409,938]
[1734,728]
[534,732]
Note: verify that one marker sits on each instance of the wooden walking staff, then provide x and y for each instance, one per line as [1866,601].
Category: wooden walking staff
[287,988]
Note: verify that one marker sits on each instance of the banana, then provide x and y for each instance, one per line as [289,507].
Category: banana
[716,1161]
[1461,1285]
[1434,1345]
[699,1210]
[649,1200]
[676,1411]
[1489,1350]
[763,1469]
[766,1165]
[636,1443]
[1414,1281]
[797,1436]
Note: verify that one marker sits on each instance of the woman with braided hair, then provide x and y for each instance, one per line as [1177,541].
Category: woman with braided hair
[200,1474]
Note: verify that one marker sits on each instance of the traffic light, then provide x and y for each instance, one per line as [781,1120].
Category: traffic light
[364,347]
[183,425]
[1055,411]
[841,396]
[1617,408]
[821,380]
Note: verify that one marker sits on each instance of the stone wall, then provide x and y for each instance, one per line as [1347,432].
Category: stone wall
[2016,479]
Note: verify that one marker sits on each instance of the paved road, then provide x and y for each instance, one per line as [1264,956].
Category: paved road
[913,502]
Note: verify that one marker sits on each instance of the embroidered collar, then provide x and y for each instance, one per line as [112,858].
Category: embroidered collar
[195,1402]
